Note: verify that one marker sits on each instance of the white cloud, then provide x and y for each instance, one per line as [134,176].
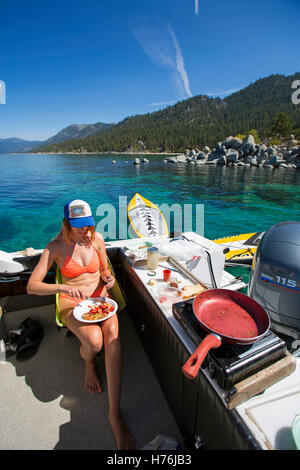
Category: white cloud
[154,45]
[162,103]
[161,45]
[180,64]
[222,93]
[196,7]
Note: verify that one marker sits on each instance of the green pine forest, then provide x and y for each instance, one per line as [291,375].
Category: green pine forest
[198,121]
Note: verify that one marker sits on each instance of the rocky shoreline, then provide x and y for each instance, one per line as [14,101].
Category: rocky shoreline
[236,152]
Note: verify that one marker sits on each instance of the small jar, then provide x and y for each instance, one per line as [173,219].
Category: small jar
[152,257]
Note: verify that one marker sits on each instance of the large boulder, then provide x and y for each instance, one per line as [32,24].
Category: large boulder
[263,148]
[232,143]
[201,156]
[213,161]
[181,158]
[291,159]
[232,156]
[221,160]
[274,160]
[248,159]
[217,152]
[262,157]
[220,149]
[141,145]
[287,154]
[258,150]
[292,143]
[173,159]
[213,156]
[294,150]
[248,145]
[271,151]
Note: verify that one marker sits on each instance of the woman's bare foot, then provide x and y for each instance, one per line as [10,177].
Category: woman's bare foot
[124,439]
[92,380]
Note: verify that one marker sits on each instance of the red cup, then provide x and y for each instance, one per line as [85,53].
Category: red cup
[167,274]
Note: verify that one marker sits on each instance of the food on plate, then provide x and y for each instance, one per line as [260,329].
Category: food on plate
[152,282]
[98,311]
[173,284]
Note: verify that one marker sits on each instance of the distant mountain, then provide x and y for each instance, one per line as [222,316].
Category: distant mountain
[15,145]
[77,131]
[197,121]
[74,131]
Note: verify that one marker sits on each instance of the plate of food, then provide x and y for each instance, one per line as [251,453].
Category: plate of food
[95,309]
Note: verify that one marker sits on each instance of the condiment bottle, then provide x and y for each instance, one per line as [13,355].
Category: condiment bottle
[152,257]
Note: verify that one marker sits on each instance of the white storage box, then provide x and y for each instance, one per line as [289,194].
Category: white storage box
[204,258]
[208,267]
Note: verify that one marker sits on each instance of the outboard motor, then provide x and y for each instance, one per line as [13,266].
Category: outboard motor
[275,278]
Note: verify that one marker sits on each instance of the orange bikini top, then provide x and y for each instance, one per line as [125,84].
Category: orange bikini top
[71,268]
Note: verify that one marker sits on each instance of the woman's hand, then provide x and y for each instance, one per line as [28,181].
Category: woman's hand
[78,292]
[109,280]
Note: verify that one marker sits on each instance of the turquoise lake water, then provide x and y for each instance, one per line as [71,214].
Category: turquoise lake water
[34,189]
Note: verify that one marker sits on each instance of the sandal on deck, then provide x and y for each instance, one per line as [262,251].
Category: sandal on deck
[30,339]
[25,341]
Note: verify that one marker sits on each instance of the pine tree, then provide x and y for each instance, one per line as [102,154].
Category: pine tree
[282,125]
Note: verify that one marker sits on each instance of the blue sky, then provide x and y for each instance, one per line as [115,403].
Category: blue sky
[66,62]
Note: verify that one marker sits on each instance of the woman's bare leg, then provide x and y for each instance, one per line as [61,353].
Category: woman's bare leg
[91,339]
[113,366]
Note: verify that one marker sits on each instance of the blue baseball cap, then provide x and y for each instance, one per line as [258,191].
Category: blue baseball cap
[78,213]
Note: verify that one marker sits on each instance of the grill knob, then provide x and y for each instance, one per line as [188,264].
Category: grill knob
[212,370]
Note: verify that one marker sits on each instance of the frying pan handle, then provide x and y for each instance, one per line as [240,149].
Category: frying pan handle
[193,364]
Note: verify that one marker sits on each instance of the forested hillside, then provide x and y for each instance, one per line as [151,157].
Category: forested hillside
[196,122]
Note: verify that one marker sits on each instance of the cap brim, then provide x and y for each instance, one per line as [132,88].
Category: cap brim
[79,222]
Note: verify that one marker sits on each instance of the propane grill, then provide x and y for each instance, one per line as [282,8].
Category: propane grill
[230,363]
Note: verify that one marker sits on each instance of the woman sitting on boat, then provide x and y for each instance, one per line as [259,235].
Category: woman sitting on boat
[80,254]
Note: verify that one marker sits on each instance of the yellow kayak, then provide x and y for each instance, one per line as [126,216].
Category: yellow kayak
[241,247]
[146,218]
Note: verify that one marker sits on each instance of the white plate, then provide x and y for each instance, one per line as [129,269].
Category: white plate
[138,254]
[169,295]
[83,307]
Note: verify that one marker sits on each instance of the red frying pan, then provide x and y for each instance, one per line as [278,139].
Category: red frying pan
[228,316]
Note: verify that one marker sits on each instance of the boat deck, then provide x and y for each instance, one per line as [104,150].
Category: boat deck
[44,404]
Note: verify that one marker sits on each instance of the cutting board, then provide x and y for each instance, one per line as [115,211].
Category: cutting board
[258,382]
